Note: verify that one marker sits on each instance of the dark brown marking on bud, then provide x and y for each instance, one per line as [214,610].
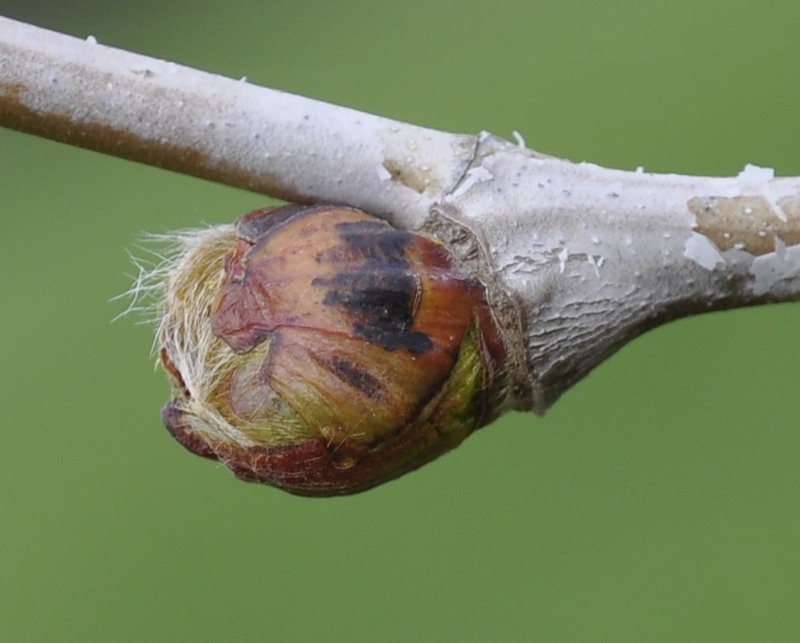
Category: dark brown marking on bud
[381,307]
[352,374]
[382,294]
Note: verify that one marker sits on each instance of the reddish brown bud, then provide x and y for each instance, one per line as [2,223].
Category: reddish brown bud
[322,351]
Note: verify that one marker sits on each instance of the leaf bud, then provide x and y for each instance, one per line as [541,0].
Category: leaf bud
[320,350]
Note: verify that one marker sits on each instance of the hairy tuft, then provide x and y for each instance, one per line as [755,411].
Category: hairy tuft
[174,289]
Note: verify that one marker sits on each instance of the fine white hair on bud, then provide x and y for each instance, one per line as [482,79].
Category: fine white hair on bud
[175,293]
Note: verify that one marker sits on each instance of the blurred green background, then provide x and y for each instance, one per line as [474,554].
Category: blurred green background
[657,501]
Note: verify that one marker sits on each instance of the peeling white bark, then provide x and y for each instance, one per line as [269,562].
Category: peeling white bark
[580,259]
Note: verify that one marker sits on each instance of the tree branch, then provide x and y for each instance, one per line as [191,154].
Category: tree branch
[229,131]
[579,259]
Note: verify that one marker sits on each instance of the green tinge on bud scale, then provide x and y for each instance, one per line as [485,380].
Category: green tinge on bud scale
[322,351]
